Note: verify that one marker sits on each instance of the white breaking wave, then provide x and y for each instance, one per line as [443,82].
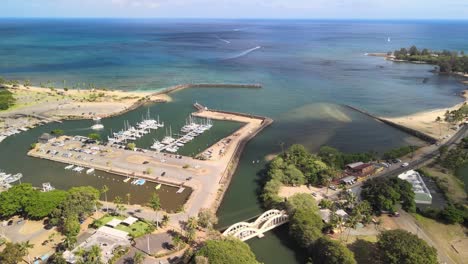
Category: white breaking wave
[243,53]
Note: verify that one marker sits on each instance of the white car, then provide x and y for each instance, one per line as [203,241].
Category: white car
[406,164]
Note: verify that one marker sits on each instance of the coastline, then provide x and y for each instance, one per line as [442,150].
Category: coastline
[425,121]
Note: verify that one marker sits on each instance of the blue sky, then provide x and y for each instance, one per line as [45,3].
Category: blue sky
[313,9]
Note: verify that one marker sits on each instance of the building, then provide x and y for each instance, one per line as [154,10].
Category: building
[326,213]
[422,195]
[348,180]
[106,238]
[45,138]
[129,221]
[360,169]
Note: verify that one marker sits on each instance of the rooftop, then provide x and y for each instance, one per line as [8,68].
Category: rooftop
[422,193]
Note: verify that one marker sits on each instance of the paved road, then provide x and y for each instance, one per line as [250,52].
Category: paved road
[418,161]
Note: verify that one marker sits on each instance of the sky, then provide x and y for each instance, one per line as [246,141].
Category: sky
[286,9]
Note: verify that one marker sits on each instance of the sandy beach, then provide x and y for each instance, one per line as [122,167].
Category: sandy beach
[425,121]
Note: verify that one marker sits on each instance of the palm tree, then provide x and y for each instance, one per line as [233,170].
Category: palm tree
[119,207]
[138,258]
[155,204]
[351,223]
[192,223]
[24,247]
[128,198]
[94,254]
[176,241]
[104,190]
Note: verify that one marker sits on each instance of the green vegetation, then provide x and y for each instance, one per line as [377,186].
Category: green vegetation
[94,136]
[207,218]
[14,253]
[402,247]
[92,255]
[399,152]
[227,251]
[338,159]
[327,251]
[6,99]
[131,146]
[296,166]
[305,224]
[456,157]
[26,201]
[57,132]
[457,115]
[447,61]
[384,194]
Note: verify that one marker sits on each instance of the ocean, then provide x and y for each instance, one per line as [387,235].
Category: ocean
[309,69]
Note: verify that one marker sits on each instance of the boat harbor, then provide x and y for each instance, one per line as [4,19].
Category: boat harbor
[201,174]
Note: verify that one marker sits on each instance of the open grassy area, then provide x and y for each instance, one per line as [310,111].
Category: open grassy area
[451,238]
[138,229]
[365,252]
[451,185]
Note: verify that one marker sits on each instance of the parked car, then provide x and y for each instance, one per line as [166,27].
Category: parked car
[314,194]
[333,187]
[406,164]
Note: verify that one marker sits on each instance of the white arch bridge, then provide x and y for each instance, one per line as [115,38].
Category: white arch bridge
[265,222]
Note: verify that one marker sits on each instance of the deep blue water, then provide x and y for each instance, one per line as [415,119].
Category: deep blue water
[311,60]
[308,69]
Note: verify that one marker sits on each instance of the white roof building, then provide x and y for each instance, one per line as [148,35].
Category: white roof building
[114,222]
[422,195]
[130,220]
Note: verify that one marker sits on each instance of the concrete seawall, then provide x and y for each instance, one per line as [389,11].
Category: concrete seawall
[207,85]
[226,177]
[415,133]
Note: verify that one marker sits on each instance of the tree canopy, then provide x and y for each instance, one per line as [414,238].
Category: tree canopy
[447,61]
[305,224]
[384,194]
[227,251]
[14,253]
[402,247]
[327,251]
[6,99]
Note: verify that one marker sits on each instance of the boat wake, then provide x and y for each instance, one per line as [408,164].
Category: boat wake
[244,53]
[223,40]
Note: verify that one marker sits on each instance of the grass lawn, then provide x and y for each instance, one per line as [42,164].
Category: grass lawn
[365,252]
[138,229]
[454,186]
[449,237]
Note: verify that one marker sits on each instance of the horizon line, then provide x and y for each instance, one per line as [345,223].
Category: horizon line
[243,18]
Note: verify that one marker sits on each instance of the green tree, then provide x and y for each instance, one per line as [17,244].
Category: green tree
[384,193]
[327,251]
[207,218]
[71,229]
[57,132]
[227,251]
[13,253]
[155,204]
[177,241]
[138,257]
[305,225]
[94,136]
[131,146]
[42,204]
[402,247]
[16,199]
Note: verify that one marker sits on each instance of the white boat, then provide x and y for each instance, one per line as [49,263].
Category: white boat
[78,169]
[126,180]
[69,167]
[181,189]
[13,178]
[97,127]
[89,171]
[47,187]
[157,187]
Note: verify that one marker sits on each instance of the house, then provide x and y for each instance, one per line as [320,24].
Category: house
[360,169]
[325,214]
[129,221]
[348,180]
[106,238]
[114,222]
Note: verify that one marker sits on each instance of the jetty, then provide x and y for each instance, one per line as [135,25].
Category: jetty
[413,132]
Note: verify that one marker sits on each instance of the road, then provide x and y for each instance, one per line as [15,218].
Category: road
[417,162]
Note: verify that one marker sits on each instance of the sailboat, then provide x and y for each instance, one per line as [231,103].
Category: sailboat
[388,39]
